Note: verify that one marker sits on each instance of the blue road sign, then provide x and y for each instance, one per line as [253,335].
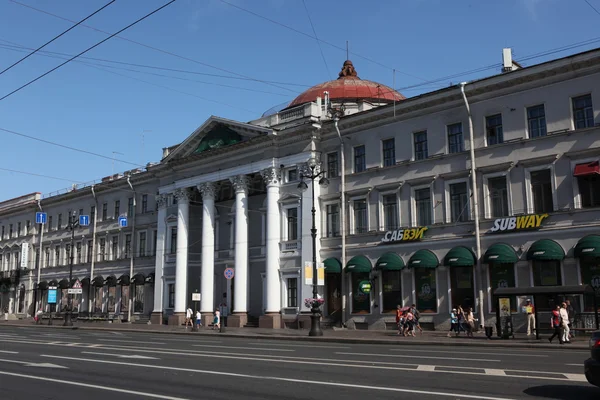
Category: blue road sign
[229,273]
[51,296]
[40,217]
[84,220]
[123,222]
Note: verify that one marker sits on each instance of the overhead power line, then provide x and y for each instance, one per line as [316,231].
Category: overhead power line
[317,39]
[593,8]
[88,49]
[56,37]
[14,171]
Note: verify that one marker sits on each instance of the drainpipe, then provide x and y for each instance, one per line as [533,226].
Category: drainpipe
[93,257]
[336,119]
[480,281]
[38,297]
[132,251]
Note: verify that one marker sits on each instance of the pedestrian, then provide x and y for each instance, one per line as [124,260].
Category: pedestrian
[530,311]
[188,318]
[399,319]
[460,315]
[198,319]
[564,320]
[217,320]
[453,323]
[417,314]
[555,324]
[571,312]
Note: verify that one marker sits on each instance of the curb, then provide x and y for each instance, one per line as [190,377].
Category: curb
[495,343]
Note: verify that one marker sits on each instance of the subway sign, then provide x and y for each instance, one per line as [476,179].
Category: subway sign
[404,235]
[519,223]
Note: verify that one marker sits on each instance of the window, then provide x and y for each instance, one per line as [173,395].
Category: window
[426,290]
[127,246]
[59,222]
[117,211]
[56,256]
[292,223]
[144,203]
[10,231]
[388,147]
[81,211]
[455,138]
[292,175]
[27,227]
[142,244]
[47,256]
[493,129]
[92,213]
[115,247]
[546,273]
[292,292]
[171,295]
[2,236]
[173,240]
[390,212]
[49,223]
[590,275]
[360,216]
[90,251]
[130,210]
[423,207]
[583,112]
[541,191]
[359,159]
[361,302]
[502,276]
[78,252]
[104,211]
[459,202]
[589,190]
[102,250]
[498,195]
[67,254]
[536,121]
[333,220]
[18,229]
[421,151]
[391,290]
[154,241]
[332,165]
[463,290]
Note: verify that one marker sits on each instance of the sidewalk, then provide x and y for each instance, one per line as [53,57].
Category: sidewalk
[389,337]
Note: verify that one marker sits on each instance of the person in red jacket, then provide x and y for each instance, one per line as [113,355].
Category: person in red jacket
[555,323]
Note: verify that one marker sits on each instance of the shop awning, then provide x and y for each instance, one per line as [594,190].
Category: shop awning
[138,279]
[423,259]
[63,284]
[459,256]
[545,249]
[332,265]
[124,280]
[111,280]
[53,283]
[500,253]
[585,169]
[85,281]
[43,285]
[98,281]
[359,264]
[588,247]
[390,262]
[150,278]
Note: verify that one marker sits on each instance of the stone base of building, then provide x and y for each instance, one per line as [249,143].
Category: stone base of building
[237,320]
[270,321]
[156,318]
[304,321]
[177,319]
[207,319]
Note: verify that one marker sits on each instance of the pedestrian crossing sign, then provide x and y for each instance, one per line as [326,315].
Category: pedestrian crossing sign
[77,284]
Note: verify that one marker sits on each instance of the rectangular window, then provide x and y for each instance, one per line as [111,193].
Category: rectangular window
[104,211]
[18,229]
[2,236]
[117,211]
[391,290]
[583,112]
[292,175]
[333,220]
[59,222]
[536,121]
[361,302]
[78,252]
[459,202]
[90,251]
[426,290]
[541,191]
[498,195]
[360,216]
[360,162]
[590,275]
[92,213]
[67,254]
[144,203]
[455,138]
[27,227]
[142,244]
[49,228]
[47,256]
[423,207]
[493,129]
[390,212]
[388,147]
[154,241]
[292,292]
[56,256]
[127,246]
[292,224]
[102,250]
[115,247]
[502,276]
[130,210]
[589,190]
[81,211]
[333,165]
[421,151]
[546,273]
[171,295]
[462,287]
[173,241]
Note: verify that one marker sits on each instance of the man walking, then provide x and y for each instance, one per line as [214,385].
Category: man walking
[530,311]
[564,319]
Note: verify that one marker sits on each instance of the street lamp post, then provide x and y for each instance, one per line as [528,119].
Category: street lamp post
[315,322]
[73,223]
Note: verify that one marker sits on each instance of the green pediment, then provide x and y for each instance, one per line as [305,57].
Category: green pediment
[219,136]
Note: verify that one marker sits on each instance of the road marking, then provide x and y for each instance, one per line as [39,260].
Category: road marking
[241,348]
[133,356]
[300,345]
[9,352]
[576,377]
[32,364]
[474,352]
[95,345]
[128,341]
[415,356]
[429,368]
[291,380]
[74,344]
[575,365]
[88,385]
[495,372]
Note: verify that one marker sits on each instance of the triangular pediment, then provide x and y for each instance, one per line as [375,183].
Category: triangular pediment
[216,132]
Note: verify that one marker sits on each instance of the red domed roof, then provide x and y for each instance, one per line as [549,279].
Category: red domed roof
[349,87]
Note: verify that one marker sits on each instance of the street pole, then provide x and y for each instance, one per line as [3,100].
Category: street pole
[72,224]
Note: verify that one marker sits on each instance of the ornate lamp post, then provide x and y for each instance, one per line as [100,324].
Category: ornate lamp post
[73,223]
[315,173]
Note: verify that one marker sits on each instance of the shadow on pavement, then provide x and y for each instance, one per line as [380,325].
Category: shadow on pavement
[564,392]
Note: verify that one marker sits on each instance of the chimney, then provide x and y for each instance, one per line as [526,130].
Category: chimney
[508,64]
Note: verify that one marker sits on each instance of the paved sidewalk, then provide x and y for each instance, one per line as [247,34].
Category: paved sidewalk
[437,338]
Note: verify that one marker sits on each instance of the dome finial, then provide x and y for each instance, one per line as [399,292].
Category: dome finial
[348,70]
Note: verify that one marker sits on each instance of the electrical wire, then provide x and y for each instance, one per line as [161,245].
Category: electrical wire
[56,37]
[317,39]
[88,49]
[593,8]
[14,171]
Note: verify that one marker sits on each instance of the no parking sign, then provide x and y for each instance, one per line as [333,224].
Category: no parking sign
[229,273]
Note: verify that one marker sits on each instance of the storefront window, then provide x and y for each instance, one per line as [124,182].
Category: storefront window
[112,298]
[98,299]
[502,276]
[124,299]
[64,298]
[361,302]
[426,290]
[138,304]
[392,290]
[546,273]
[590,275]
[461,282]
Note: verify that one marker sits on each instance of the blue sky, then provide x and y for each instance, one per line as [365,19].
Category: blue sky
[136,111]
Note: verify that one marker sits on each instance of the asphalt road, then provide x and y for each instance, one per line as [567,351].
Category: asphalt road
[88,365]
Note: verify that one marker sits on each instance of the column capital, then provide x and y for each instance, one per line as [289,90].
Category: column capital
[182,195]
[240,183]
[161,200]
[208,190]
[271,175]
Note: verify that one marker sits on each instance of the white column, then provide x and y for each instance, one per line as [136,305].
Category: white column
[181,262]
[273,287]
[161,232]
[207,281]
[240,184]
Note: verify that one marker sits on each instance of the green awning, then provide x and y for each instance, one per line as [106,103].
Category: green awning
[500,253]
[459,256]
[332,266]
[588,247]
[220,136]
[545,249]
[390,262]
[359,264]
[423,259]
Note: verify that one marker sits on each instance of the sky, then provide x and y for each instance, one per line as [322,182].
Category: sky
[151,86]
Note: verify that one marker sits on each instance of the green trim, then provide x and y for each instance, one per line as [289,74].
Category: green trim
[588,247]
[390,262]
[460,256]
[332,266]
[359,264]
[423,259]
[545,249]
[500,253]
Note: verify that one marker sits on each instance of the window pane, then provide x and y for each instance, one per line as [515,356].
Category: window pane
[455,138]
[541,190]
[461,283]
[359,159]
[583,112]
[391,290]
[502,276]
[360,216]
[332,165]
[389,152]
[590,275]
[589,190]
[546,273]
[292,218]
[361,302]
[333,220]
[423,207]
[292,292]
[536,119]
[421,151]
[498,194]
[459,202]
[494,130]
[426,290]
[390,212]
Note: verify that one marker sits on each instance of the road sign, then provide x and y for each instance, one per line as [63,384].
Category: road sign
[77,284]
[196,296]
[123,222]
[52,295]
[229,273]
[75,291]
[40,217]
[84,220]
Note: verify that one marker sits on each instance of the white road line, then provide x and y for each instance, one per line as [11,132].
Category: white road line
[121,355]
[415,356]
[182,340]
[470,352]
[90,386]
[291,380]
[9,352]
[575,365]
[241,348]
[576,377]
[429,368]
[128,341]
[495,372]
[299,345]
